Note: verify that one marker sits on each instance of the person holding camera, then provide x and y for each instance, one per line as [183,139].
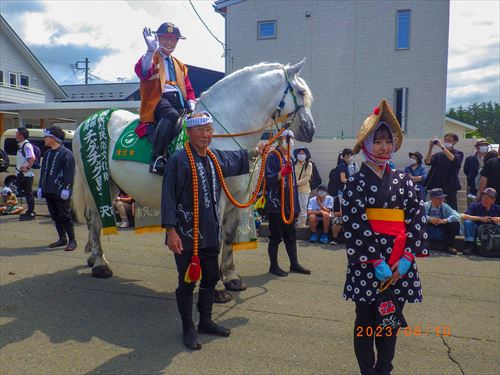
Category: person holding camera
[445,166]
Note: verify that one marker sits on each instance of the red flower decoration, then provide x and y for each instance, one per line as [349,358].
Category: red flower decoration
[376,111]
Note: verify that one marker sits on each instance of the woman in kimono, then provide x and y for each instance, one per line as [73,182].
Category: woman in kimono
[384,225]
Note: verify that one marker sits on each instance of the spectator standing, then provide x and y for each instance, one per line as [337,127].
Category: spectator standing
[56,182]
[25,158]
[478,213]
[303,171]
[443,222]
[490,176]
[338,176]
[319,211]
[489,155]
[474,163]
[417,173]
[445,166]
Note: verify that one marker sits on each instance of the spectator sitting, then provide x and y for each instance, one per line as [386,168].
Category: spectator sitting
[474,163]
[124,205]
[443,222]
[478,213]
[417,173]
[319,210]
[9,203]
[303,173]
[336,220]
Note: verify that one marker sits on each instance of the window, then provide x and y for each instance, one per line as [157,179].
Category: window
[403,29]
[266,30]
[1,77]
[13,79]
[25,80]
[401,106]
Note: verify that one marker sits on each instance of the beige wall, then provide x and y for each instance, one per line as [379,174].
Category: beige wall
[450,127]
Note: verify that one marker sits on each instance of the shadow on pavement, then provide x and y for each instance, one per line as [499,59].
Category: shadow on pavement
[71,305]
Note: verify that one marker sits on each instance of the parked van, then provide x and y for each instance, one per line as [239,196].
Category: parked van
[8,143]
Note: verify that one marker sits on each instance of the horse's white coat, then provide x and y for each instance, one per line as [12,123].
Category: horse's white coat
[243,101]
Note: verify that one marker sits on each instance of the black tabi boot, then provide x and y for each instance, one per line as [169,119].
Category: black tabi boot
[70,230]
[291,249]
[207,325]
[62,241]
[160,145]
[185,305]
[272,250]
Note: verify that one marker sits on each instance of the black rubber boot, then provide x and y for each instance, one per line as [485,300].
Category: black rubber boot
[272,250]
[207,325]
[163,137]
[70,230]
[62,241]
[291,249]
[185,305]
[158,165]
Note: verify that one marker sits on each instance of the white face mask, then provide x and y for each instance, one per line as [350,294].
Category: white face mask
[448,145]
[301,157]
[321,193]
[284,144]
[484,149]
[412,161]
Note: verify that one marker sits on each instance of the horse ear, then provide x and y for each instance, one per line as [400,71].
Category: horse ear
[295,69]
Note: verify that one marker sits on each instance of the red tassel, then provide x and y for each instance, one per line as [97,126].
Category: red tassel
[376,111]
[193,272]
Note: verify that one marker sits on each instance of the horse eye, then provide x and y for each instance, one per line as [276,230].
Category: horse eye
[302,92]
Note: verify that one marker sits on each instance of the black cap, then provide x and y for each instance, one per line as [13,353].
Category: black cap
[436,193]
[169,28]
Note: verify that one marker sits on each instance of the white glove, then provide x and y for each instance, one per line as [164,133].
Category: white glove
[39,193]
[191,104]
[151,39]
[65,194]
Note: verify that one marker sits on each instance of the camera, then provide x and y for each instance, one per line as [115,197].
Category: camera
[435,142]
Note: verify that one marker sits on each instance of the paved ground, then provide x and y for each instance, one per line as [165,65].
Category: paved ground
[57,319]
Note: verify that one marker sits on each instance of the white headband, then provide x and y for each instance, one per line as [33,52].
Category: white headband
[205,119]
[47,133]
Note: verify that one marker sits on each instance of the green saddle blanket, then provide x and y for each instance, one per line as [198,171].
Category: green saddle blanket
[131,147]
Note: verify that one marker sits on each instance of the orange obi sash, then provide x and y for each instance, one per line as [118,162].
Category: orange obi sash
[391,222]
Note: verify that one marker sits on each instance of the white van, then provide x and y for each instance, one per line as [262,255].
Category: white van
[8,143]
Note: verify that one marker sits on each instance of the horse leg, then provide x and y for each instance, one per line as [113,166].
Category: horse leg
[230,278]
[97,260]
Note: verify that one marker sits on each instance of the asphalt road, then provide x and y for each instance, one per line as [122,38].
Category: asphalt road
[57,319]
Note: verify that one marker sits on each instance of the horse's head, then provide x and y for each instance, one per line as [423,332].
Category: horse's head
[299,102]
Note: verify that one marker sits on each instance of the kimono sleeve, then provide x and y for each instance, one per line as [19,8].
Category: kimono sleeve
[68,169]
[272,170]
[233,163]
[415,221]
[169,194]
[361,244]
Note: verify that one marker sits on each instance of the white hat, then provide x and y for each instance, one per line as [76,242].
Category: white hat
[286,133]
[6,190]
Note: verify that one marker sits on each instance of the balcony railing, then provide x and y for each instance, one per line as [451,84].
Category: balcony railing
[22,88]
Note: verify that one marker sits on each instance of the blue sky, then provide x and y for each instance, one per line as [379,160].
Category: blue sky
[109,33]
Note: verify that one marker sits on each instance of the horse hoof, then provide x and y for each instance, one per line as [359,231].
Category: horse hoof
[222,296]
[90,262]
[236,285]
[102,272]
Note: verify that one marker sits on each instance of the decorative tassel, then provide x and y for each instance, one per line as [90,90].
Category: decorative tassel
[193,273]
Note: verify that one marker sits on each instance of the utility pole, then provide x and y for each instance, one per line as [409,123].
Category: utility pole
[86,62]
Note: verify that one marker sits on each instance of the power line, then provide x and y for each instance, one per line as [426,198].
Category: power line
[204,24]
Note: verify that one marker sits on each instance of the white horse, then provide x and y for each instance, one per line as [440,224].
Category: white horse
[244,101]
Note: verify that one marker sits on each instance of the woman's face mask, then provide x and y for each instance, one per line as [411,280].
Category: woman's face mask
[284,143]
[322,193]
[484,149]
[412,161]
[301,157]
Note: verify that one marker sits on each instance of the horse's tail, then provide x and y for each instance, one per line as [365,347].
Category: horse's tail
[82,197]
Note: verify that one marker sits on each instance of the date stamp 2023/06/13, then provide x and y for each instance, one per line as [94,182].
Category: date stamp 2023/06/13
[415,331]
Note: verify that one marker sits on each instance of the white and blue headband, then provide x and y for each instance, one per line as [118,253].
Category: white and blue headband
[204,119]
[47,133]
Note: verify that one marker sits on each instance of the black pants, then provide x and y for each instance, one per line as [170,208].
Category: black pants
[166,116]
[209,261]
[451,199]
[363,342]
[26,186]
[451,230]
[279,230]
[60,212]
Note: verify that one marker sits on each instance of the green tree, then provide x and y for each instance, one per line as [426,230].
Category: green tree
[485,116]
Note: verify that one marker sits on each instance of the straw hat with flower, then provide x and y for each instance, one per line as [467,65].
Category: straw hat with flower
[381,113]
